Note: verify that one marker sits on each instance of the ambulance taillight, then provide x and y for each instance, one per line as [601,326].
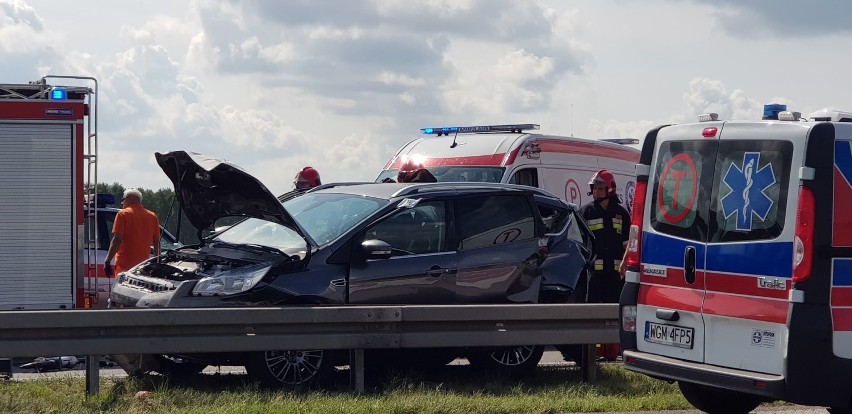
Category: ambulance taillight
[634,242]
[803,244]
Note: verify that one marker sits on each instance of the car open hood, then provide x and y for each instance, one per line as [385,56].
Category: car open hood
[209,189]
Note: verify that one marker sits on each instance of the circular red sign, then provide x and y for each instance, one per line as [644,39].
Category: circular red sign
[666,211]
[572,192]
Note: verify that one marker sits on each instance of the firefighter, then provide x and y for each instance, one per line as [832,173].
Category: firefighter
[610,223]
[414,172]
[306,179]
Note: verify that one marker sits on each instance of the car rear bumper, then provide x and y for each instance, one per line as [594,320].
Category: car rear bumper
[767,385]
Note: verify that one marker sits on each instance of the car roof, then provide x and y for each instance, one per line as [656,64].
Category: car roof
[390,191]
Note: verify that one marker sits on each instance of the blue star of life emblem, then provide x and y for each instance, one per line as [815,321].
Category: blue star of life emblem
[747,197]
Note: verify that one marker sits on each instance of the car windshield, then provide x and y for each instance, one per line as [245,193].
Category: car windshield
[456,174]
[327,216]
[265,233]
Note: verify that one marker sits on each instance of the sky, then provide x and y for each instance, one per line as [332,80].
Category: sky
[341,85]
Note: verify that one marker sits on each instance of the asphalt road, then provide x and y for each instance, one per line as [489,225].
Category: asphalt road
[551,358]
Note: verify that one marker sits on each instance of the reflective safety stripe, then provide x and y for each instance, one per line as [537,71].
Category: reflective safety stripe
[599,264]
[617,227]
[617,265]
[594,227]
[617,220]
[594,221]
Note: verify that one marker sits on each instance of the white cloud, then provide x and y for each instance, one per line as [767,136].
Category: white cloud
[341,85]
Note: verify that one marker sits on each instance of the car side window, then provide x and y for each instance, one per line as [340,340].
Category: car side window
[489,220]
[421,229]
[554,218]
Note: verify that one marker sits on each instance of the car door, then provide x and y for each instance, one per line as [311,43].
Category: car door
[750,252]
[422,267]
[671,292]
[498,249]
[569,246]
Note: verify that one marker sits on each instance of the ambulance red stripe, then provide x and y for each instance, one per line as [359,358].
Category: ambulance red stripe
[746,307]
[586,148]
[745,285]
[841,296]
[671,298]
[673,277]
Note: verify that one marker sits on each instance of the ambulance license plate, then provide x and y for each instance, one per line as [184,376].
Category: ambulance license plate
[670,335]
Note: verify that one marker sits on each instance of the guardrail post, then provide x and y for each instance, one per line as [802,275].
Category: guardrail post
[5,368]
[356,370]
[589,369]
[93,370]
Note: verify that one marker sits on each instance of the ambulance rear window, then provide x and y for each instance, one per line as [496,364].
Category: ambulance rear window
[750,191]
[682,187]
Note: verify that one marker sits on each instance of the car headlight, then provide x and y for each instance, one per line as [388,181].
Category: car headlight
[232,281]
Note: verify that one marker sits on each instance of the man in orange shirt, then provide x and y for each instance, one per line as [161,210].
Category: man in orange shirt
[135,230]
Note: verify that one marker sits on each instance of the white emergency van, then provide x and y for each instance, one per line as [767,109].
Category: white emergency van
[739,277]
[509,154]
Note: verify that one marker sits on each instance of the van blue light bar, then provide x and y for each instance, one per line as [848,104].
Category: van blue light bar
[770,111]
[479,128]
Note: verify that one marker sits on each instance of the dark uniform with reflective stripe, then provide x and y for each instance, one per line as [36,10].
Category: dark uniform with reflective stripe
[611,229]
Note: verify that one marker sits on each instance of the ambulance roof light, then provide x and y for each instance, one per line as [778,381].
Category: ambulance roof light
[479,128]
[712,116]
[58,94]
[770,111]
[827,114]
[789,116]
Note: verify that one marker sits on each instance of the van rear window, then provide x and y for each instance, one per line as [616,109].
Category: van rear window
[750,191]
[682,187]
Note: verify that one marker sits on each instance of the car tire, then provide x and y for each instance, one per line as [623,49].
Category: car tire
[175,366]
[294,369]
[512,361]
[716,400]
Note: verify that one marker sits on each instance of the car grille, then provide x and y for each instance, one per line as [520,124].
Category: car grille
[147,284]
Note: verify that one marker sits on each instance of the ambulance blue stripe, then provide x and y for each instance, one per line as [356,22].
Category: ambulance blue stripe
[842,272]
[662,250]
[764,259]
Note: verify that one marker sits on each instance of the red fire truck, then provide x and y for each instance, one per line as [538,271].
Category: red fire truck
[48,167]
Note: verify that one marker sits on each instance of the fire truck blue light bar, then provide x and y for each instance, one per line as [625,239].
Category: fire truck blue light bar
[58,94]
[479,128]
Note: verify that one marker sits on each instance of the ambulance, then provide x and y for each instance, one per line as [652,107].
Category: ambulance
[515,154]
[739,263]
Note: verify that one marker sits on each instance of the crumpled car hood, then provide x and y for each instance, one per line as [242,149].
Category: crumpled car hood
[209,189]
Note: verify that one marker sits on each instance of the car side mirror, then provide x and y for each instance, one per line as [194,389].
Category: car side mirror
[375,250]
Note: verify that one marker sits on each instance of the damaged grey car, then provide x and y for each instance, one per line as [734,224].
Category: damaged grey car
[375,243]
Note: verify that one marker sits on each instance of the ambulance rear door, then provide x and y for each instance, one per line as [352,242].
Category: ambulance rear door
[750,251]
[675,230]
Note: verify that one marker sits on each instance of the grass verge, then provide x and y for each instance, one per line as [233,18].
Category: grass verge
[454,390]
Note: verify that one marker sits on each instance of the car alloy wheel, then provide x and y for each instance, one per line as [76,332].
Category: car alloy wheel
[513,356]
[294,367]
[515,360]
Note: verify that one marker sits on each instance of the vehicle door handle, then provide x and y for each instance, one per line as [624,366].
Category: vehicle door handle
[689,265]
[436,271]
[667,315]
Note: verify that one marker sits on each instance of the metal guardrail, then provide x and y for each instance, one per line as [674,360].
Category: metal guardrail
[127,331]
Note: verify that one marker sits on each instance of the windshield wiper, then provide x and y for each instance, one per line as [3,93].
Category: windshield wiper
[250,246]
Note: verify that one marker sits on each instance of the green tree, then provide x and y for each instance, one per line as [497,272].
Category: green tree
[162,202]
